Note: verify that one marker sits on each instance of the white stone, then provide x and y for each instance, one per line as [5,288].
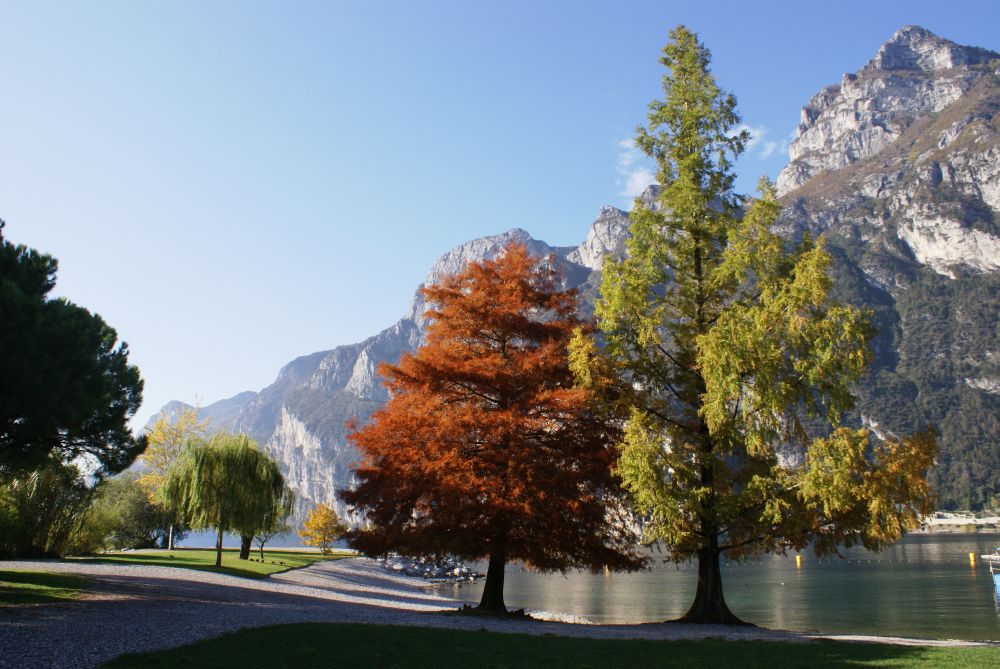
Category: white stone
[944,244]
[989,385]
[607,235]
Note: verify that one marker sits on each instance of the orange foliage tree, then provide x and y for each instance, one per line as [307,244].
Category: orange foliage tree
[486,450]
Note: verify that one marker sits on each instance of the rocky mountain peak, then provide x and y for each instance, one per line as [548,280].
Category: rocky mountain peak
[483,248]
[606,235]
[918,49]
[650,197]
[913,74]
[608,232]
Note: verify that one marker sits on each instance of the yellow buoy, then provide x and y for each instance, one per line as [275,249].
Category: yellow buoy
[972,559]
[798,562]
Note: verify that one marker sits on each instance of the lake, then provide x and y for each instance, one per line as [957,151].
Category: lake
[923,586]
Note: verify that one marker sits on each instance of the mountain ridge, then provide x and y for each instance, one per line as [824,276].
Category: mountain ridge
[897,166]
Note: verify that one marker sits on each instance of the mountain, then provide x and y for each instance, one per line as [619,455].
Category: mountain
[302,417]
[898,166]
[221,415]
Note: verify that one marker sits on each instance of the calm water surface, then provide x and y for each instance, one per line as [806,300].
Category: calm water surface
[924,586]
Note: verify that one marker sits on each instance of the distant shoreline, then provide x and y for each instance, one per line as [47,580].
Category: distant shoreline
[946,522]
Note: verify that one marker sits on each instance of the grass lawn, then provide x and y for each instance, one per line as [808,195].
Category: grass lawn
[275,561]
[336,645]
[37,587]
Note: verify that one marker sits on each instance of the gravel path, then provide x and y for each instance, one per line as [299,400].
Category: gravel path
[131,608]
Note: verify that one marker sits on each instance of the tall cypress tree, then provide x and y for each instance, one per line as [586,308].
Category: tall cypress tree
[726,347]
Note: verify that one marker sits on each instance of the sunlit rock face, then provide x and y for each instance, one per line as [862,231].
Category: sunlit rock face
[897,167]
[945,245]
[607,235]
[914,74]
[904,155]
[301,455]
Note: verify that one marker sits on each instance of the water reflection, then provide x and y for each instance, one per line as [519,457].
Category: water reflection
[920,587]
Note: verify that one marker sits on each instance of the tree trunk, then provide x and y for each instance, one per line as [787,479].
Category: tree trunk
[218,549]
[492,599]
[170,537]
[262,551]
[246,543]
[709,605]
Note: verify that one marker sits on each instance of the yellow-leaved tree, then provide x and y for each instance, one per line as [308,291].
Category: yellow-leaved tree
[167,437]
[321,528]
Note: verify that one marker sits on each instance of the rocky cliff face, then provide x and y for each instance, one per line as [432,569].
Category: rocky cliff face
[606,236]
[914,74]
[608,233]
[898,166]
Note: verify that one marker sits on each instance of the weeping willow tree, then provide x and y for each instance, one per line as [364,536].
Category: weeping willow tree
[721,347]
[227,483]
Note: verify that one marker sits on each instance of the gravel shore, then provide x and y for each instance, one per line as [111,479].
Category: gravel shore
[131,608]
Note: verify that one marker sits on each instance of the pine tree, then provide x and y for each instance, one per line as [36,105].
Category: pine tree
[66,387]
[486,450]
[726,349]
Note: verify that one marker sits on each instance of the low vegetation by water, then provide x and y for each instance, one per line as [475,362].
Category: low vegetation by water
[274,562]
[37,587]
[322,645]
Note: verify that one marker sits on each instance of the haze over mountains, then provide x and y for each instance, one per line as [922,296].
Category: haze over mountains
[898,165]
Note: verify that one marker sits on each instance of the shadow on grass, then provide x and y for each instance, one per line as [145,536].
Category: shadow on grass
[321,645]
[204,560]
[38,587]
[179,562]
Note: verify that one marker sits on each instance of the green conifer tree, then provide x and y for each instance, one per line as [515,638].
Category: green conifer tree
[725,347]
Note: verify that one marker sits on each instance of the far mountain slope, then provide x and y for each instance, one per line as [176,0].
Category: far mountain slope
[221,415]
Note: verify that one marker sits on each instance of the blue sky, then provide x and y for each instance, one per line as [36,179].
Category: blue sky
[233,184]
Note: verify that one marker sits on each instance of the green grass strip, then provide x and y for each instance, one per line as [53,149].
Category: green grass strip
[204,560]
[357,646]
[37,587]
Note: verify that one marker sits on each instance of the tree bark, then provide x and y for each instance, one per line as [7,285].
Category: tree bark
[170,537]
[492,599]
[246,543]
[218,549]
[709,605]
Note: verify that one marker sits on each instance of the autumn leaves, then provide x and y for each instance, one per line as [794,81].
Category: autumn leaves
[487,450]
